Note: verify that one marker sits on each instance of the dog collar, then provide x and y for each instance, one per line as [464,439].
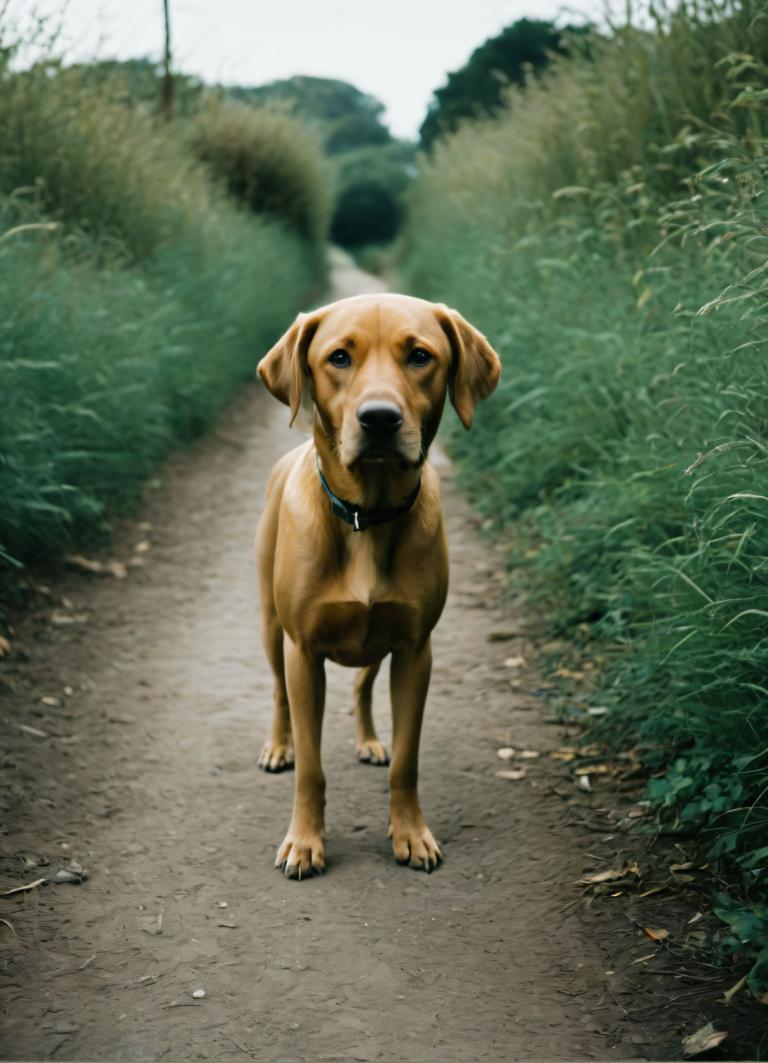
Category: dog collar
[361,519]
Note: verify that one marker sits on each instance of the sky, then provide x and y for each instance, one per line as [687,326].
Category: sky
[397,50]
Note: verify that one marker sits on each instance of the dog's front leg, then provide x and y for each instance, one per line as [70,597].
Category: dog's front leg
[412,840]
[301,852]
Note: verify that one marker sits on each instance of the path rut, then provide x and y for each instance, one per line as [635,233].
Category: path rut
[147,776]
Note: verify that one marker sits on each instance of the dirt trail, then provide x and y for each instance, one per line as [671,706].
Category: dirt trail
[148,777]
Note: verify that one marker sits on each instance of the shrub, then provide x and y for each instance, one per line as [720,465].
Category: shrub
[372,184]
[269,161]
[100,167]
[135,297]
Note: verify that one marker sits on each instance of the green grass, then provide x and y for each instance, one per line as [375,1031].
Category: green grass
[136,296]
[625,453]
[103,368]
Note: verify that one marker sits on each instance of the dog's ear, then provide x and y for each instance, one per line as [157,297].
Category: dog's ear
[476,366]
[284,368]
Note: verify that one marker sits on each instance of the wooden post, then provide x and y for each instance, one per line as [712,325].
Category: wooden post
[166,102]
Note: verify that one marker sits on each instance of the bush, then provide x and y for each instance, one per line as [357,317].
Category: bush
[626,449]
[269,161]
[100,167]
[135,297]
[372,184]
[103,368]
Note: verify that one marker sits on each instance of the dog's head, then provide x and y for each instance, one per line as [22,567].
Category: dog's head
[378,368]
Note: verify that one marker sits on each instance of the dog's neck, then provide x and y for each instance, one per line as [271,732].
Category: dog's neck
[370,485]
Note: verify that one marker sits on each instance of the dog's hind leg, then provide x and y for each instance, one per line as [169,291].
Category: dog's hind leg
[369,748]
[277,752]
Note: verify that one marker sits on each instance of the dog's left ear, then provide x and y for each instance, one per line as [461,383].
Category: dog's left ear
[476,366]
[284,368]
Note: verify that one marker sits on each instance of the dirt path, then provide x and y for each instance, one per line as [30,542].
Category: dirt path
[146,774]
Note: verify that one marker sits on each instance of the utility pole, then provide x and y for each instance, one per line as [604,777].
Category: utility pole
[166,101]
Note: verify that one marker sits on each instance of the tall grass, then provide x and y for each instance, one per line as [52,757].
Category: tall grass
[135,296]
[610,234]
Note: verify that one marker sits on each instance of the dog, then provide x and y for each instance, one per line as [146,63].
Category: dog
[351,548]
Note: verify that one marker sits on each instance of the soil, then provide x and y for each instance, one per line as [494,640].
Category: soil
[141,768]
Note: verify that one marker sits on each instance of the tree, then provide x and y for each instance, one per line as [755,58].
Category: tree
[346,117]
[520,50]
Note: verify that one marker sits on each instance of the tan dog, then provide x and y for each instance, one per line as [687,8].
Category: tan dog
[351,547]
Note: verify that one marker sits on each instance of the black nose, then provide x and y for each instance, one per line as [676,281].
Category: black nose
[381,418]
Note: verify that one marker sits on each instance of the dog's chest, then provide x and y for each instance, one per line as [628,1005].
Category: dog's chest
[363,615]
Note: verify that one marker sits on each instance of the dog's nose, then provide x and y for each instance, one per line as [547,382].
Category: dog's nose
[381,418]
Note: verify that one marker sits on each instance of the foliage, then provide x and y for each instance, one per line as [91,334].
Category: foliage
[627,446]
[135,296]
[345,117]
[99,168]
[269,161]
[371,187]
[511,57]
[129,81]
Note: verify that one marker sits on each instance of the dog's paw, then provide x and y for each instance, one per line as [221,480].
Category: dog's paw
[413,844]
[371,751]
[301,855]
[276,756]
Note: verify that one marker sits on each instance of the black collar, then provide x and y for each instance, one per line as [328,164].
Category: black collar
[361,519]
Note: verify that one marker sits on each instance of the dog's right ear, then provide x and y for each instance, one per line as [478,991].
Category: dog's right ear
[284,368]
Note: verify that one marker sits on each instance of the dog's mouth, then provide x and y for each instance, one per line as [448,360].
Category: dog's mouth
[401,450]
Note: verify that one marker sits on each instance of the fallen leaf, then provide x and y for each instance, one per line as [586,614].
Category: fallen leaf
[695,918]
[652,890]
[529,754]
[60,618]
[85,563]
[24,889]
[595,769]
[31,730]
[643,959]
[566,753]
[681,867]
[142,547]
[703,1040]
[514,662]
[515,774]
[505,753]
[568,673]
[731,993]
[5,646]
[610,875]
[98,568]
[584,784]
[75,875]
[48,700]
[656,935]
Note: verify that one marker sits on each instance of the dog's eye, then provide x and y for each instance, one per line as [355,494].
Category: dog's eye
[419,356]
[340,359]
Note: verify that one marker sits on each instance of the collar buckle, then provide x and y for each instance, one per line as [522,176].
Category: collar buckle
[372,518]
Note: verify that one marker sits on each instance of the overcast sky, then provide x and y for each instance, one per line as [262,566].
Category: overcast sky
[398,50]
